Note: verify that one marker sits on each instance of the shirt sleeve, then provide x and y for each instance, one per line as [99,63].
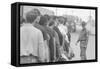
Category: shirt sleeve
[41,47]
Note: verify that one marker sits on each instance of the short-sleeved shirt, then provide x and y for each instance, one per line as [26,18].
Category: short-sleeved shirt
[83,35]
[83,38]
[31,41]
[42,29]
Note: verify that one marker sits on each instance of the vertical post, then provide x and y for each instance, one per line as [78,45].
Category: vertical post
[56,11]
[21,11]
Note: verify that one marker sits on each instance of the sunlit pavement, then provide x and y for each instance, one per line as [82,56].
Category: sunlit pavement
[90,52]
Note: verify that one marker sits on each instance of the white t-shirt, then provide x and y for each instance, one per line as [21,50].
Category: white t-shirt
[31,41]
[63,29]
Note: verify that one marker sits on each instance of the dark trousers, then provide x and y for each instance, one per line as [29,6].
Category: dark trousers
[83,53]
[51,49]
[66,46]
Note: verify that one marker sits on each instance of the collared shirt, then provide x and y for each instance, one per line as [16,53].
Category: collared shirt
[31,41]
[63,29]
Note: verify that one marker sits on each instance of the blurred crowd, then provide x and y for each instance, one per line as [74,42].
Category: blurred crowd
[46,38]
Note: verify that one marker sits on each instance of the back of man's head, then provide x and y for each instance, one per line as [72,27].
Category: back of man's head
[43,20]
[83,24]
[30,17]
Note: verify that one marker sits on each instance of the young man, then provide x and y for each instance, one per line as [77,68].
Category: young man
[31,40]
[44,21]
[52,25]
[63,30]
[83,39]
[45,34]
[58,31]
[68,52]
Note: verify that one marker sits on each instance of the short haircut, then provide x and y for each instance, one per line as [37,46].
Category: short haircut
[83,23]
[30,17]
[37,12]
[43,20]
[51,23]
[61,19]
[47,16]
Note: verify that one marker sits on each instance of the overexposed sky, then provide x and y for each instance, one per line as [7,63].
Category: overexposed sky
[82,13]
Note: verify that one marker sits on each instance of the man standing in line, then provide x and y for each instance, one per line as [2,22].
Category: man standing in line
[44,21]
[45,34]
[64,30]
[31,40]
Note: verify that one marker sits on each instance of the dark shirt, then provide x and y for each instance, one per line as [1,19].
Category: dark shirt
[51,41]
[59,34]
[83,35]
[69,36]
[42,29]
[49,31]
[83,38]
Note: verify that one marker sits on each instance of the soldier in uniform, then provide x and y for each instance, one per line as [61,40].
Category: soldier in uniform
[83,39]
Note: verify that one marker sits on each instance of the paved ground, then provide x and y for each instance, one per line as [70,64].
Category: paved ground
[76,49]
[90,48]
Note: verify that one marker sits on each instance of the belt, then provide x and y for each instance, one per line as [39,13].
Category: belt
[30,55]
[82,40]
